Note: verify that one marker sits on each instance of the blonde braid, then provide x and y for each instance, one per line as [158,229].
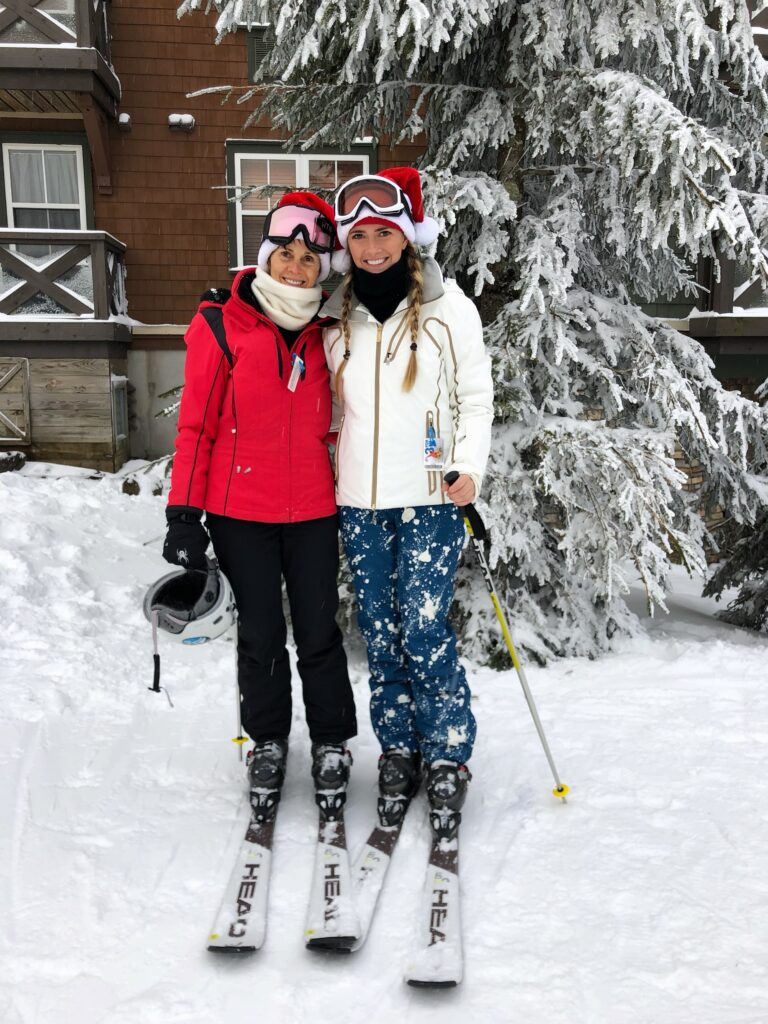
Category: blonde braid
[416,272]
[346,309]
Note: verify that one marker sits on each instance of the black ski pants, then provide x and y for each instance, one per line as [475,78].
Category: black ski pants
[255,557]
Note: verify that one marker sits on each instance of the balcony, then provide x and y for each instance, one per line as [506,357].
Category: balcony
[63,284]
[54,47]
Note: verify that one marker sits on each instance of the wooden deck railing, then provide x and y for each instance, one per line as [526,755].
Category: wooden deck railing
[90,28]
[84,275]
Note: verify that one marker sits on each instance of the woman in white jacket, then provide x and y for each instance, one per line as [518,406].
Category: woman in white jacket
[414,383]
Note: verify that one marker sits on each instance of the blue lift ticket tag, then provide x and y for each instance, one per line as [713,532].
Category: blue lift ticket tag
[433,450]
[297,370]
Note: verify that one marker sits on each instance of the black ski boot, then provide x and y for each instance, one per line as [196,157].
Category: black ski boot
[446,791]
[399,779]
[266,773]
[330,770]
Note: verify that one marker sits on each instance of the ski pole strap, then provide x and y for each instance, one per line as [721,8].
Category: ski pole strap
[475,524]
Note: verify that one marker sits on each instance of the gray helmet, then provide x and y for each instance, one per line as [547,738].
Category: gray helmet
[194,606]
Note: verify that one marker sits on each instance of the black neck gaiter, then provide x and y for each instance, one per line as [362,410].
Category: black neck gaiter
[382,293]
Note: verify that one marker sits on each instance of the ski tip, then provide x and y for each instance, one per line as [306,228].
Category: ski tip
[333,943]
[233,950]
[420,983]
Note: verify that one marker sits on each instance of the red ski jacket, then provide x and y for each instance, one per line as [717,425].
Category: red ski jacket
[247,447]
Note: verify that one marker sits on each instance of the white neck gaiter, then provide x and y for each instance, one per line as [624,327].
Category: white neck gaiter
[284,304]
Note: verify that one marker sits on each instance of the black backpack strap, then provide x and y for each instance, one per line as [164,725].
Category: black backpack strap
[215,320]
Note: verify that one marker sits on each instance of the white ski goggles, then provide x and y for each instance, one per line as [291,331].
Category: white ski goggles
[379,195]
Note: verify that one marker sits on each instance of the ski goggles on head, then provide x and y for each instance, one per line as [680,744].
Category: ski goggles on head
[378,194]
[285,223]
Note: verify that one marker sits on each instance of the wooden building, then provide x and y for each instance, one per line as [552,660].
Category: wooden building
[114,218]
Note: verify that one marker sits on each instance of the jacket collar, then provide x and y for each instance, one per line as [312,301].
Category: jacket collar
[244,299]
[433,290]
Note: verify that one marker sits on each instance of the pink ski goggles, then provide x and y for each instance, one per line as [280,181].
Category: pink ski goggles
[285,223]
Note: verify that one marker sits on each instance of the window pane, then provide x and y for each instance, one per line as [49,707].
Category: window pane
[322,174]
[252,228]
[27,177]
[30,218]
[282,172]
[254,172]
[67,220]
[347,169]
[61,176]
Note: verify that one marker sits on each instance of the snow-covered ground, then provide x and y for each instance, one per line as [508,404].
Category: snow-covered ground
[640,901]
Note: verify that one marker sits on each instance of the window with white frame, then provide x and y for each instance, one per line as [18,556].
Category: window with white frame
[284,172]
[45,187]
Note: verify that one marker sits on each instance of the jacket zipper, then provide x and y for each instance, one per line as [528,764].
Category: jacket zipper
[375,471]
[279,358]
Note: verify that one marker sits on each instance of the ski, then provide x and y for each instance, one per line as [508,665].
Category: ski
[241,922]
[438,961]
[331,919]
[369,872]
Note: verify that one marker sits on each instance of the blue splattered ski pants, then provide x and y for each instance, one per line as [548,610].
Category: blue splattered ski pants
[403,563]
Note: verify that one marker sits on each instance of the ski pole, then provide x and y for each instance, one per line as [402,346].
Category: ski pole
[478,533]
[239,739]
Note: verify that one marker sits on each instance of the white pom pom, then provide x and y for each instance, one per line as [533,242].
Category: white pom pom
[341,262]
[427,231]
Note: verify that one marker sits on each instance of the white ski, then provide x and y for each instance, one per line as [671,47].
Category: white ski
[241,921]
[369,873]
[438,959]
[332,923]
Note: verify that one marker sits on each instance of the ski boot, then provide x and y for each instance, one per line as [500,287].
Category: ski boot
[266,773]
[330,770]
[399,779]
[446,792]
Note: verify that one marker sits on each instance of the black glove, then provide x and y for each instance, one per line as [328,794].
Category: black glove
[187,539]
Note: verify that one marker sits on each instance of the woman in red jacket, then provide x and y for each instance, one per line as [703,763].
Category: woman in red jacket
[251,453]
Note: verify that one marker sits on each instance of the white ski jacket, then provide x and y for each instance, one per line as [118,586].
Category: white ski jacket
[382,428]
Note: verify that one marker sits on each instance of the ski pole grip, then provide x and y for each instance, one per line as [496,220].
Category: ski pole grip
[469,511]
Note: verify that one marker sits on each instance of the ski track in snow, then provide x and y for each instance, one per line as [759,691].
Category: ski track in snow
[641,900]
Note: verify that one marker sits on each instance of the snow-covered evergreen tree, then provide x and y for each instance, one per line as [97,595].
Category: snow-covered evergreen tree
[746,566]
[583,156]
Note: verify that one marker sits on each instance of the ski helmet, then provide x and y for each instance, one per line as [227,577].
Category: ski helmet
[192,606]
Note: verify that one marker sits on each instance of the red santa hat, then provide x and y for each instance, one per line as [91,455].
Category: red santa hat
[314,202]
[417,228]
